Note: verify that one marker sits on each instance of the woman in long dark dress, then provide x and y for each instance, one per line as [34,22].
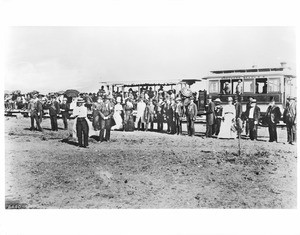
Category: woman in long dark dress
[128,116]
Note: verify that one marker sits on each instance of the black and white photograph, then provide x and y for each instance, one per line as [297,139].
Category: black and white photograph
[150,117]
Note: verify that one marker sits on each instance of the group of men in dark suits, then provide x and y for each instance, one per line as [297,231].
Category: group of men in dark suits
[37,105]
[252,116]
[103,112]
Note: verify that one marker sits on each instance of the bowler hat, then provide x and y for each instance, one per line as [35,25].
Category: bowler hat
[209,97]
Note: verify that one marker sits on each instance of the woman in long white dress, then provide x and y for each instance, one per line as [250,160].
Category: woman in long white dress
[117,115]
[227,123]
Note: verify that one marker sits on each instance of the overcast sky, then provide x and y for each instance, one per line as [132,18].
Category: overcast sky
[50,59]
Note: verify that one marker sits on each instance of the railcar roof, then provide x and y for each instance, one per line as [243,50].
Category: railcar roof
[251,72]
[163,82]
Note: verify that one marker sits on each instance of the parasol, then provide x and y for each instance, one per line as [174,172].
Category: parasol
[71,93]
[16,92]
[60,92]
[34,92]
[186,92]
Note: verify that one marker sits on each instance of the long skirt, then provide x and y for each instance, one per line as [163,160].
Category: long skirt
[226,128]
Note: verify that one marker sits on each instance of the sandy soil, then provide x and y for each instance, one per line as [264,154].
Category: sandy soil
[146,170]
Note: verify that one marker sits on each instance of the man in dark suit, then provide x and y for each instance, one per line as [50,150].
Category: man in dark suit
[253,115]
[169,117]
[106,112]
[64,109]
[178,115]
[191,114]
[218,116]
[273,116]
[289,117]
[210,117]
[159,109]
[35,111]
[248,106]
[54,110]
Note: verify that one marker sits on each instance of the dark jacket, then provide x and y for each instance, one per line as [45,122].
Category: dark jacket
[35,107]
[210,113]
[191,110]
[289,114]
[64,107]
[54,108]
[273,114]
[218,111]
[256,113]
[106,110]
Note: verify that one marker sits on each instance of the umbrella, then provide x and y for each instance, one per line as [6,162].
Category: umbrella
[16,92]
[34,92]
[71,93]
[60,92]
[186,92]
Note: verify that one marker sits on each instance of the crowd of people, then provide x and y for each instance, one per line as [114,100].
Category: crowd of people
[140,110]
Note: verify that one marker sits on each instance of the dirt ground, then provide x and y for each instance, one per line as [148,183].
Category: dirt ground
[146,170]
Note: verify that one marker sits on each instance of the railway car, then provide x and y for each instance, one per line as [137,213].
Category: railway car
[259,83]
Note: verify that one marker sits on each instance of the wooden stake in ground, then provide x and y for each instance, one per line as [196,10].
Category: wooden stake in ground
[239,131]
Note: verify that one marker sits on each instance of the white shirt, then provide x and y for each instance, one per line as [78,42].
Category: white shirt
[141,108]
[81,111]
[251,112]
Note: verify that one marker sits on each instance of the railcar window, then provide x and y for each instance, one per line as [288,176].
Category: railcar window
[274,85]
[261,86]
[225,87]
[213,86]
[249,85]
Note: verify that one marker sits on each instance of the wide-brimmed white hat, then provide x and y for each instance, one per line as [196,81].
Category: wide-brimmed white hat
[80,100]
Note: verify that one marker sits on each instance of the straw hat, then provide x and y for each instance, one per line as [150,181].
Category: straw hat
[217,100]
[80,100]
[118,99]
